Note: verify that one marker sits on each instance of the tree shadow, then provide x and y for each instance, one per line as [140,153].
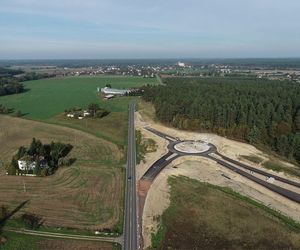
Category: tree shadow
[10,214]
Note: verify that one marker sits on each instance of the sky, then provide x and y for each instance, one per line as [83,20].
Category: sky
[104,29]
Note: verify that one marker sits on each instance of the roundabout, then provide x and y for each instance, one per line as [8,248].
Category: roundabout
[190,147]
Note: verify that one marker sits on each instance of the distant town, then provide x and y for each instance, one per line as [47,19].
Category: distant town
[281,70]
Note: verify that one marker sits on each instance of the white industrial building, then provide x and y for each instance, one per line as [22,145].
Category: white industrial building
[110,91]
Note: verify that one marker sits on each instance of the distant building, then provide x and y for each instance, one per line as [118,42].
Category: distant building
[86,113]
[110,91]
[181,64]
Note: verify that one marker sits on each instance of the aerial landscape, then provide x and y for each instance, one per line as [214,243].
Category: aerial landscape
[149,125]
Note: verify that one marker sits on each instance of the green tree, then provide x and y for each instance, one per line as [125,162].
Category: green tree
[93,107]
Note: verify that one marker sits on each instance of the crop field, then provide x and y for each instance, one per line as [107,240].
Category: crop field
[204,216]
[47,98]
[86,195]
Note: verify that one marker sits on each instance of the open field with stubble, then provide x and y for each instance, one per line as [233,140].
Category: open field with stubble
[219,218]
[87,195]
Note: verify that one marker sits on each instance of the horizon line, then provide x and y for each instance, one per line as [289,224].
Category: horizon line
[148,58]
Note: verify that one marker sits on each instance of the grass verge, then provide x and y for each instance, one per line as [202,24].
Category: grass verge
[253,158]
[279,167]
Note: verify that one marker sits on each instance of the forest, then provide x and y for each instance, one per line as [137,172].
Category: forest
[260,112]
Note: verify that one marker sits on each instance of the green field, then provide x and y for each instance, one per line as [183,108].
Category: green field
[29,242]
[49,97]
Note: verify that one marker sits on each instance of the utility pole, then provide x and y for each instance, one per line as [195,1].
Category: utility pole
[24,186]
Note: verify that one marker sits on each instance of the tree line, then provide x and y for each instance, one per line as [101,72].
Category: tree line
[9,86]
[10,83]
[257,111]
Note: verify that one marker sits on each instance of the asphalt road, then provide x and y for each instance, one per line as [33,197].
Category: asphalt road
[130,227]
[158,166]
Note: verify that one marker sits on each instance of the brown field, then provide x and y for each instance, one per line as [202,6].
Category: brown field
[73,244]
[87,195]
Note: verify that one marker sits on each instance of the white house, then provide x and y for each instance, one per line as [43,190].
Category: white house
[26,165]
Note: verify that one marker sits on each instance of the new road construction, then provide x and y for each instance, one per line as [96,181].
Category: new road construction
[176,148]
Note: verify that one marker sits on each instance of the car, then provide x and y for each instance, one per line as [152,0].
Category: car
[129,178]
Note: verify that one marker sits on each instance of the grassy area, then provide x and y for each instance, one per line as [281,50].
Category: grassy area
[280,167]
[147,110]
[204,216]
[253,158]
[88,195]
[143,146]
[112,127]
[26,242]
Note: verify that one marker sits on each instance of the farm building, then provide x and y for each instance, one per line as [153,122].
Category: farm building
[110,91]
[107,97]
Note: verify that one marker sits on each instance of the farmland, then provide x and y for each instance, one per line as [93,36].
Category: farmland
[50,97]
[47,99]
[87,195]
[219,218]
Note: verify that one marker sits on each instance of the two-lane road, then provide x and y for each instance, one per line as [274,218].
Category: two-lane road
[130,228]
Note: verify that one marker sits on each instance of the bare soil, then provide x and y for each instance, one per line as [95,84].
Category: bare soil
[55,244]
